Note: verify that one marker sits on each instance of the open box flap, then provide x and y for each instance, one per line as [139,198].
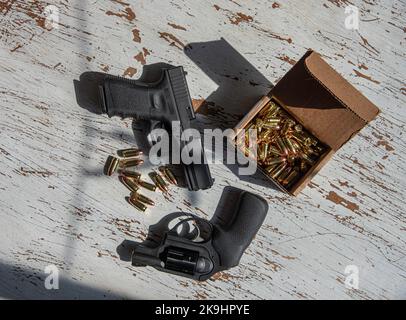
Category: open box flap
[326,104]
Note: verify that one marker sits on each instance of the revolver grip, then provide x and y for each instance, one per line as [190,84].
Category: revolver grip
[230,239]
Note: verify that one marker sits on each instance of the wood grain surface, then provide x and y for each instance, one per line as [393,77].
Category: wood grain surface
[57,207]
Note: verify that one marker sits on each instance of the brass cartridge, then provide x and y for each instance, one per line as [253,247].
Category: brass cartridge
[278,170]
[129,153]
[142,198]
[129,183]
[130,162]
[111,165]
[137,204]
[146,185]
[131,174]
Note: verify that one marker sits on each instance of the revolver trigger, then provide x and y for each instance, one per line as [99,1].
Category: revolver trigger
[194,229]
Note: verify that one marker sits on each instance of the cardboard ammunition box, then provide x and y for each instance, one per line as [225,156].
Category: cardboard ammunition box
[323,102]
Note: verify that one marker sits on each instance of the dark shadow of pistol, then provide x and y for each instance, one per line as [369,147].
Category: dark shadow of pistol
[240,86]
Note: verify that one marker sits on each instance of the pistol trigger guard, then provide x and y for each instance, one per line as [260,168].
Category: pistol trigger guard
[155,124]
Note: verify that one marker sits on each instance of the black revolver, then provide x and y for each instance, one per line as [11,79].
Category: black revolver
[211,247]
[166,100]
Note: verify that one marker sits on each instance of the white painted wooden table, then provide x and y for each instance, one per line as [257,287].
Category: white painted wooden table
[57,208]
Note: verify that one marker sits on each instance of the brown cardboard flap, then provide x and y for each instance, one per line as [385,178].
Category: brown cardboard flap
[325,103]
[341,88]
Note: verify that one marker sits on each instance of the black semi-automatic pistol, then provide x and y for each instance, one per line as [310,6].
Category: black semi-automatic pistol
[166,100]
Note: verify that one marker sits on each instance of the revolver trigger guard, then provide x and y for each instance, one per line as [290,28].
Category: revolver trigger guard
[193,229]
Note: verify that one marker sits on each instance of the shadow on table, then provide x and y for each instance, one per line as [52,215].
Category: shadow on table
[240,86]
[21,283]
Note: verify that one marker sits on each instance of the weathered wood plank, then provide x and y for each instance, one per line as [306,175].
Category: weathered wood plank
[57,207]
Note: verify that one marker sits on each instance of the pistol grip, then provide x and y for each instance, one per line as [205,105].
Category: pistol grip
[124,98]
